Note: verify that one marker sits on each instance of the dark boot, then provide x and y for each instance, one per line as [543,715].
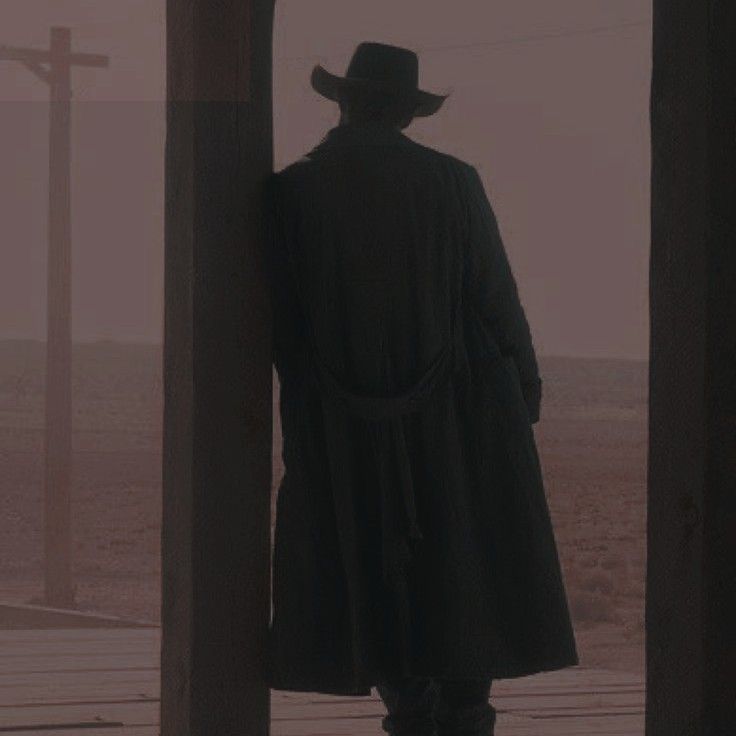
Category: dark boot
[410,704]
[463,708]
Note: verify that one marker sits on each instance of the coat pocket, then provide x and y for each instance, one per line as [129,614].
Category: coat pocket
[482,349]
[529,393]
[510,363]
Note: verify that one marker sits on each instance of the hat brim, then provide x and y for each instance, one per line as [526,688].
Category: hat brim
[330,85]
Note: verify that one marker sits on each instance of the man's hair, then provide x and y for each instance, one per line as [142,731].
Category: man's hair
[376,106]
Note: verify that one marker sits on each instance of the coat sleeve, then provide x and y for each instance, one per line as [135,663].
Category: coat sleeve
[492,290]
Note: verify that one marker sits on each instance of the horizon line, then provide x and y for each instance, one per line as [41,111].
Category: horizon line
[159,344]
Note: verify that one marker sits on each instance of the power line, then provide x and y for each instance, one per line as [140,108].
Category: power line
[103,20]
[512,41]
[540,37]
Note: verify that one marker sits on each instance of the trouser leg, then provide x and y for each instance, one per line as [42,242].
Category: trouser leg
[410,704]
[463,708]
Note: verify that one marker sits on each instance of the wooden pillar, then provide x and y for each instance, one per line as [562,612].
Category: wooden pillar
[217,371]
[59,590]
[691,568]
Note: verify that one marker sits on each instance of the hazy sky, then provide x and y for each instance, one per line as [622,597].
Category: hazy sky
[548,100]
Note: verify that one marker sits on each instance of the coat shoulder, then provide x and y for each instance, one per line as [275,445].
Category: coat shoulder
[293,171]
[283,183]
[306,162]
[443,157]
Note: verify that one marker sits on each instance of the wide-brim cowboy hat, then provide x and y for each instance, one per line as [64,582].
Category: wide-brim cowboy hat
[379,66]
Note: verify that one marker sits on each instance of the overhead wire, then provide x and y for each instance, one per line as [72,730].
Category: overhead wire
[513,40]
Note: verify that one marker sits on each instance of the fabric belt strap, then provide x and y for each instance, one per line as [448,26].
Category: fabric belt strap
[388,441]
[390,408]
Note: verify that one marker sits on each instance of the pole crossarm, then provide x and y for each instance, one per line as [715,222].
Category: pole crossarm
[40,56]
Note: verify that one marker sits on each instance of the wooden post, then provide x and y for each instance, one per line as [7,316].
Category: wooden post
[217,371]
[59,590]
[691,568]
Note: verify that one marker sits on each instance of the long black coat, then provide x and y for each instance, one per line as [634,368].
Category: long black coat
[412,529]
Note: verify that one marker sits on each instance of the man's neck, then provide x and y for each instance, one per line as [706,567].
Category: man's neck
[368,123]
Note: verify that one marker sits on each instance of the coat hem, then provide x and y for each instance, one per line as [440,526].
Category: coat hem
[295,684]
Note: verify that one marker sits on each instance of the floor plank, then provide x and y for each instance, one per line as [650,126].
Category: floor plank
[106,682]
[87,731]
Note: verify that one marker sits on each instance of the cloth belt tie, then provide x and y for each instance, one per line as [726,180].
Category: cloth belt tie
[385,414]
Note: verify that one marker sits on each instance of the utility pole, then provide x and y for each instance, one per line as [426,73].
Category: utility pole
[54,67]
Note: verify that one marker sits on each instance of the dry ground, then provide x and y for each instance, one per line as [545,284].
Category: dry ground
[592,442]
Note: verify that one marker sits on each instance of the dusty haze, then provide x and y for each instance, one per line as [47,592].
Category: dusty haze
[548,100]
[552,110]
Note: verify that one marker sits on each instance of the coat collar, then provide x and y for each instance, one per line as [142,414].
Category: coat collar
[361,135]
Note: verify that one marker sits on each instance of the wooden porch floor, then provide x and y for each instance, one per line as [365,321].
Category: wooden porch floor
[105,682]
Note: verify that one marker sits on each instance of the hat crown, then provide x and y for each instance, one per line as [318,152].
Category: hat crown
[379,66]
[384,63]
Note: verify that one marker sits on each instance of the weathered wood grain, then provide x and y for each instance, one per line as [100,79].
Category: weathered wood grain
[691,512]
[218,372]
[99,686]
